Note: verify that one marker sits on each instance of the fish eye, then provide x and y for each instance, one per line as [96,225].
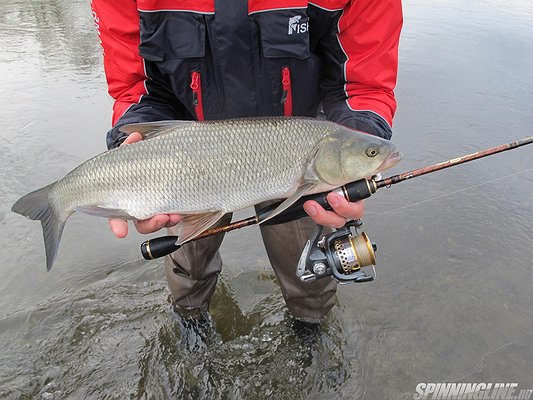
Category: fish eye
[372,151]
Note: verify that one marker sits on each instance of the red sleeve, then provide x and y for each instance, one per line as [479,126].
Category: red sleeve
[117,24]
[369,32]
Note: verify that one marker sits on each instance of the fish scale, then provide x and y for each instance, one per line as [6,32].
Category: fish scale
[205,169]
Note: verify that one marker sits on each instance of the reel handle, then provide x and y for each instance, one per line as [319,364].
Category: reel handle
[159,247]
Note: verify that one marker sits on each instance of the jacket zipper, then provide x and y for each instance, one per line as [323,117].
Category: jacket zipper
[196,86]
[286,98]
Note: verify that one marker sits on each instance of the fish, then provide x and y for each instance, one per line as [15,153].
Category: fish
[203,170]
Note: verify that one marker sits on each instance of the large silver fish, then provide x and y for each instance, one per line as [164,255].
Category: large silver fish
[203,170]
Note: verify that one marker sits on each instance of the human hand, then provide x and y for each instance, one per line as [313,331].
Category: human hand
[119,227]
[342,210]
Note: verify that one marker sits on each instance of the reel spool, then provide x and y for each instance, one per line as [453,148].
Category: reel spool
[354,253]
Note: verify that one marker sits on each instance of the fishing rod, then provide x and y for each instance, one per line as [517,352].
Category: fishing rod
[344,252]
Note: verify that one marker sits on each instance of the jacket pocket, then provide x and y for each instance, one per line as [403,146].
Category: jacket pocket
[172,35]
[285,33]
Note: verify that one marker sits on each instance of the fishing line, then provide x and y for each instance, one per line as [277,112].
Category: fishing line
[449,193]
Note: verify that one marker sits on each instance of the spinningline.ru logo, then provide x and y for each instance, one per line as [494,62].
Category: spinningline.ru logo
[475,391]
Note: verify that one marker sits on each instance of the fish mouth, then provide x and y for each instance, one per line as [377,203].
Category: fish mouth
[393,159]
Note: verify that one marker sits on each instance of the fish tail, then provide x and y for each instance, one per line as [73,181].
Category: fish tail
[36,206]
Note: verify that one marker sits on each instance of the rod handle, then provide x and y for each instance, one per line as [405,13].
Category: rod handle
[159,247]
[355,191]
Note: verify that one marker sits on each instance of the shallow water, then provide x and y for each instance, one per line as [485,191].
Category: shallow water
[453,300]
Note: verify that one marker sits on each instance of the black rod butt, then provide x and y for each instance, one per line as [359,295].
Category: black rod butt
[159,247]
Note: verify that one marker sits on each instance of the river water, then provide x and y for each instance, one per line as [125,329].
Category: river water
[453,300]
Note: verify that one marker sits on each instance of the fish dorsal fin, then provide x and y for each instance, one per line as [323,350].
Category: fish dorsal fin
[192,225]
[150,130]
[302,190]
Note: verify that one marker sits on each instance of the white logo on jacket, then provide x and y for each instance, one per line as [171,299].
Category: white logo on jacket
[295,26]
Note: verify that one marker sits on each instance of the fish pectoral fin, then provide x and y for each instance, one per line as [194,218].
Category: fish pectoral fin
[302,190]
[100,211]
[192,225]
[150,130]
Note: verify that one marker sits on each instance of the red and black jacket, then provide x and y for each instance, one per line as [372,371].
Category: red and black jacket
[218,59]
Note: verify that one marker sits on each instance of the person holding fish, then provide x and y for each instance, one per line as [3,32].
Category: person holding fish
[206,60]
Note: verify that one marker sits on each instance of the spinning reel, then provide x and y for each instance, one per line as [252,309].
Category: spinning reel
[342,254]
